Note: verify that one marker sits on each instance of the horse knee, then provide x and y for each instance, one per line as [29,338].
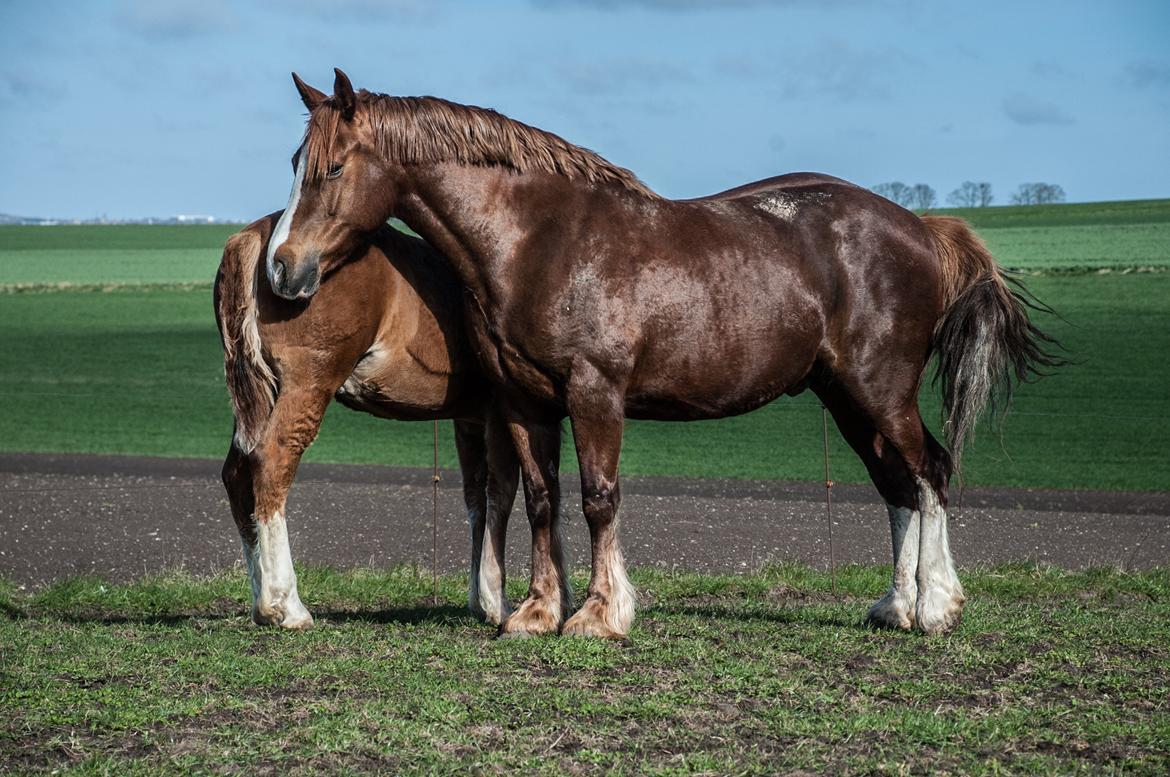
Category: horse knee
[600,505]
[539,500]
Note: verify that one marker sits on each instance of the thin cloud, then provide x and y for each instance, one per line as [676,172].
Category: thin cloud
[18,87]
[1030,111]
[1147,74]
[671,6]
[1047,68]
[833,69]
[620,75]
[175,19]
[363,10]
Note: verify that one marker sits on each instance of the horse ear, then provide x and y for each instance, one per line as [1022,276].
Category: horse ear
[309,96]
[343,94]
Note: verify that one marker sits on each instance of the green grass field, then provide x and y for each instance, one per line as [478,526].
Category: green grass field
[1050,673]
[1083,237]
[137,369]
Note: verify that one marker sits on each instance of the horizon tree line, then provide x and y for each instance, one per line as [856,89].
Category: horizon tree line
[969,194]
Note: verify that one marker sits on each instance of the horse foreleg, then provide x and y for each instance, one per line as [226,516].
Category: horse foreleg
[290,430]
[537,446]
[609,609]
[910,470]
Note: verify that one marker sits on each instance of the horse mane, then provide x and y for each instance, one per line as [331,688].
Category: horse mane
[424,130]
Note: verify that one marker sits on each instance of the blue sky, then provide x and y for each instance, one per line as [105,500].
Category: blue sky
[156,107]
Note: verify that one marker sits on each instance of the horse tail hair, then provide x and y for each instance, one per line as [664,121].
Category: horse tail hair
[251,382]
[985,341]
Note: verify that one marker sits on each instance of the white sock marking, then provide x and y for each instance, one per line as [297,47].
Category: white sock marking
[278,603]
[940,594]
[492,600]
[619,613]
[896,608]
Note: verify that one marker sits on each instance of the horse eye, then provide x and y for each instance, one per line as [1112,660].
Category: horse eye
[334,171]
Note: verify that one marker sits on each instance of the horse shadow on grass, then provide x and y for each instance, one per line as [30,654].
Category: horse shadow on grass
[788,616]
[441,615]
[454,616]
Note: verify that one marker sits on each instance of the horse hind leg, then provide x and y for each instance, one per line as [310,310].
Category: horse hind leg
[275,601]
[910,470]
[237,480]
[920,500]
[940,601]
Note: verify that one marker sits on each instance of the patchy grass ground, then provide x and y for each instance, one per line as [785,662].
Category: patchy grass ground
[1051,672]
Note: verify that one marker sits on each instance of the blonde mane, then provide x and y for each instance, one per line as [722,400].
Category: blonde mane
[423,130]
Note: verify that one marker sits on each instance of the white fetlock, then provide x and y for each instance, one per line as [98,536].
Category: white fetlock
[487,603]
[486,598]
[940,594]
[895,610]
[939,609]
[275,601]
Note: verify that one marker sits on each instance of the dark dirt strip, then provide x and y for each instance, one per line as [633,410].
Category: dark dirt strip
[121,517]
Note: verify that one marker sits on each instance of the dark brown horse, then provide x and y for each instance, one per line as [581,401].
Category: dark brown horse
[591,296]
[384,334]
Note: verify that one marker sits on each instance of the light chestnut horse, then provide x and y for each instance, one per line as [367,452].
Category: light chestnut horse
[590,296]
[385,335]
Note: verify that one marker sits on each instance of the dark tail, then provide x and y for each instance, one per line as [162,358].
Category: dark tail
[985,341]
[250,380]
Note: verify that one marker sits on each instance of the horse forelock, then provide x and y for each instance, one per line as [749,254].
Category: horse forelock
[421,130]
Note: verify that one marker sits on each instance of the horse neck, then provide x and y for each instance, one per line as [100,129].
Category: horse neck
[478,215]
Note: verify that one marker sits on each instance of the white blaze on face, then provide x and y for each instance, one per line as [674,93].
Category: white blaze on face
[280,234]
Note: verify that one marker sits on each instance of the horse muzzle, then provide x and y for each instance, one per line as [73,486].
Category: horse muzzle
[295,280]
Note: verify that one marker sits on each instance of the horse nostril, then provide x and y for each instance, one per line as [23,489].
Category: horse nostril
[278,273]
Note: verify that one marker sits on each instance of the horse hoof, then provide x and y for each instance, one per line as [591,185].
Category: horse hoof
[890,612]
[492,616]
[589,621]
[293,619]
[939,611]
[535,617]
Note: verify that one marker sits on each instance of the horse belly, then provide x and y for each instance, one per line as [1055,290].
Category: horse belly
[720,379]
[394,386]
